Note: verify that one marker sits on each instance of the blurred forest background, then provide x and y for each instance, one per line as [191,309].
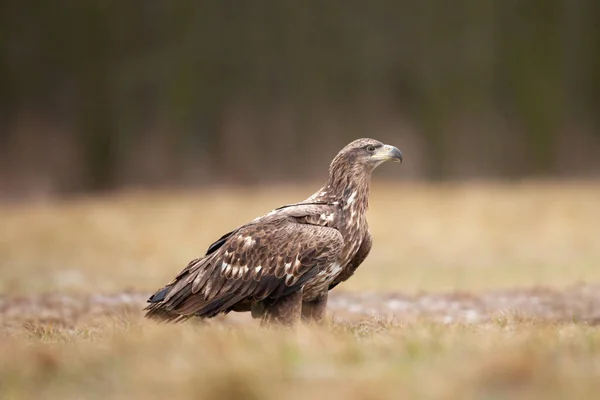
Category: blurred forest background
[99,95]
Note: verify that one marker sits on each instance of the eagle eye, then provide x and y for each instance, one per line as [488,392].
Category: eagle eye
[371,149]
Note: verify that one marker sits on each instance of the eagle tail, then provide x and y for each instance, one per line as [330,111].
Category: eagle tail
[159,296]
[180,305]
[157,309]
[158,312]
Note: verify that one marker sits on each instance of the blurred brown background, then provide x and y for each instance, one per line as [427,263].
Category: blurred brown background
[98,95]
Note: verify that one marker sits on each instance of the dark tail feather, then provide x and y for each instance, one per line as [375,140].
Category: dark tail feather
[157,310]
[159,296]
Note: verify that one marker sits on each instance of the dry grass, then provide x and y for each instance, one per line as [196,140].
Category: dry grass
[122,357]
[426,237]
[470,242]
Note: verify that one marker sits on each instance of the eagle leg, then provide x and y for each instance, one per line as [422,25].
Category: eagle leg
[314,310]
[284,311]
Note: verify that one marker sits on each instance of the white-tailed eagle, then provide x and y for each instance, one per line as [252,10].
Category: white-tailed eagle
[281,266]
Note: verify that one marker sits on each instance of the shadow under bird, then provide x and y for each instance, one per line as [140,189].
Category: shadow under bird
[281,266]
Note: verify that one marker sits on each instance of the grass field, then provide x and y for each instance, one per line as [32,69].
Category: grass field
[471,291]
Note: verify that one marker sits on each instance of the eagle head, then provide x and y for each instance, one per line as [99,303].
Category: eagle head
[366,154]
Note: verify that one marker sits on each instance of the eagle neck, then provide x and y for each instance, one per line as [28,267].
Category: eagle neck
[349,189]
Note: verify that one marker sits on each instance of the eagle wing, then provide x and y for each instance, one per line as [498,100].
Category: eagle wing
[266,259]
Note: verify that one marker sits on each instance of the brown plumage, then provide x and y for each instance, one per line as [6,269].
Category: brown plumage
[281,265]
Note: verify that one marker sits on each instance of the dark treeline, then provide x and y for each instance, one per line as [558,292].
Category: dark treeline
[97,95]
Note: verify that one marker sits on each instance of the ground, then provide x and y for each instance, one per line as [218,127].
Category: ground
[471,291]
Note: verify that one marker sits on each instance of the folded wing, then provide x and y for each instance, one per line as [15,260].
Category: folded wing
[264,260]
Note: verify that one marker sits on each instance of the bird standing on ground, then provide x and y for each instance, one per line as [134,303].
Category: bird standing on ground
[281,266]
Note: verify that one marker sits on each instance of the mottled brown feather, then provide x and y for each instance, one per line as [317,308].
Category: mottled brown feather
[239,268]
[359,257]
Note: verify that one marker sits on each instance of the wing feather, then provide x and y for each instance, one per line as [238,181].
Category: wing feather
[269,258]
